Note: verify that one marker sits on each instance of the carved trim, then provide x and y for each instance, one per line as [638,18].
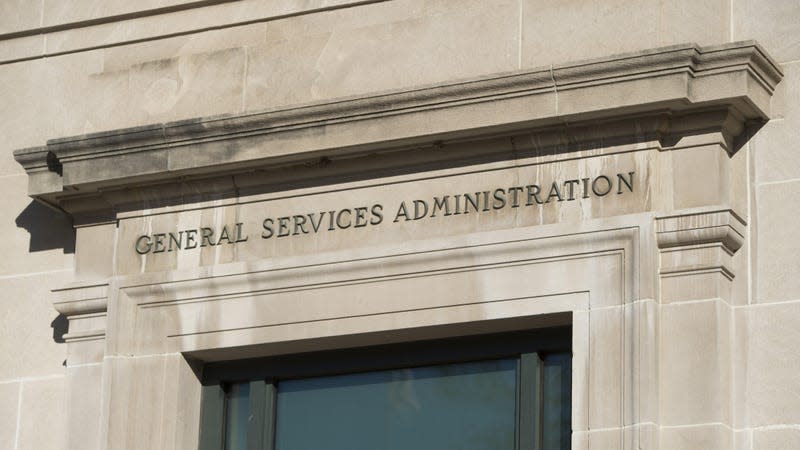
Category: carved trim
[704,227]
[81,299]
[592,90]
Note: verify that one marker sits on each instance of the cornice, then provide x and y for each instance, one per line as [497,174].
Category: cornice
[738,78]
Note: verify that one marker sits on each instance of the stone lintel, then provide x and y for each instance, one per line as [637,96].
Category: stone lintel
[735,80]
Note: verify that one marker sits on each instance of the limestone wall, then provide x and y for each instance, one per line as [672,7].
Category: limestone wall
[69,67]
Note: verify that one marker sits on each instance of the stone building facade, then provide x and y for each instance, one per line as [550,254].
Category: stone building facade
[199,188]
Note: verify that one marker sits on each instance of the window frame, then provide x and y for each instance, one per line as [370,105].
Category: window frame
[530,347]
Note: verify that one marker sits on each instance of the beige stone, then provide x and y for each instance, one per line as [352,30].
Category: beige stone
[709,169]
[773,394]
[36,327]
[30,118]
[777,263]
[781,437]
[154,403]
[19,15]
[668,353]
[197,85]
[59,12]
[337,60]
[710,437]
[122,58]
[43,414]
[548,36]
[21,48]
[143,27]
[606,358]
[787,93]
[32,229]
[601,439]
[695,358]
[94,248]
[772,23]
[9,410]
[703,22]
[775,145]
[701,285]
[742,440]
[546,24]
[84,406]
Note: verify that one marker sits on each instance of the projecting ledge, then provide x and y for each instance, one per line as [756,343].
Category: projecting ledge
[672,82]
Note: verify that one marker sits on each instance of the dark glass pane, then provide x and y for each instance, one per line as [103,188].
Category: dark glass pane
[237,405]
[557,410]
[469,406]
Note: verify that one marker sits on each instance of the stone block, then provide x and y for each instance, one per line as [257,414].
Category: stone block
[779,438]
[159,392]
[84,403]
[787,93]
[59,12]
[121,58]
[777,263]
[549,34]
[360,50]
[708,169]
[699,285]
[742,440]
[605,439]
[695,358]
[197,85]
[21,47]
[43,415]
[775,146]
[35,238]
[19,15]
[30,323]
[29,117]
[706,437]
[704,22]
[94,251]
[149,27]
[774,24]
[773,386]
[85,351]
[606,355]
[9,405]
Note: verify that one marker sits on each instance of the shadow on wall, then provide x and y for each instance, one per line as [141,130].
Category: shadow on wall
[60,326]
[49,229]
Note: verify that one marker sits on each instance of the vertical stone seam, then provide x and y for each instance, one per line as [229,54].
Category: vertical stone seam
[555,87]
[519,35]
[41,25]
[751,191]
[41,14]
[244,80]
[730,20]
[19,416]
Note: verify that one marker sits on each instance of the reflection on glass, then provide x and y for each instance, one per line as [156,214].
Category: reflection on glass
[557,411]
[237,405]
[469,406]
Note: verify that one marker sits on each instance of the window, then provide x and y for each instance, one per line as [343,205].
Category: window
[500,391]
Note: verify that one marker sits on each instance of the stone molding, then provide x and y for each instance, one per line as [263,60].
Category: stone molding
[702,227]
[735,79]
[85,307]
[696,251]
[495,281]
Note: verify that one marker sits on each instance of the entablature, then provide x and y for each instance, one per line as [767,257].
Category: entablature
[673,91]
